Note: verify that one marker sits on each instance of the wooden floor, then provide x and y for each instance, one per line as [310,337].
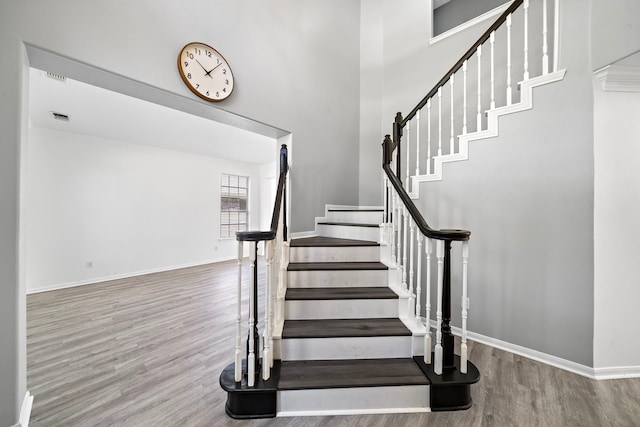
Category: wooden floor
[148,351]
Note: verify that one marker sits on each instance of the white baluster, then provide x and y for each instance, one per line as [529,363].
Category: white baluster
[438,350]
[440,121]
[451,143]
[406,181]
[251,360]
[399,235]
[465,307]
[429,137]
[412,229]
[427,305]
[405,243]
[492,42]
[479,117]
[509,91]
[266,353]
[238,358]
[526,40]
[464,97]
[545,45]
[418,143]
[419,280]
[393,226]
[556,35]
[385,218]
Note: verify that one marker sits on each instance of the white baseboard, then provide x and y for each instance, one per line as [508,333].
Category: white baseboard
[608,373]
[122,276]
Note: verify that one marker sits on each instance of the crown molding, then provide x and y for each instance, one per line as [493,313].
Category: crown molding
[619,78]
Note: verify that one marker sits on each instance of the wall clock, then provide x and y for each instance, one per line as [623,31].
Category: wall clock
[205,71]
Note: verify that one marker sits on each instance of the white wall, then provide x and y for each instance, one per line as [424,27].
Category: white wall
[102,209]
[617,241]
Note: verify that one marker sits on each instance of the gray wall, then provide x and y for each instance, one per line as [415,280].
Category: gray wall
[526,196]
[615,30]
[296,64]
[457,12]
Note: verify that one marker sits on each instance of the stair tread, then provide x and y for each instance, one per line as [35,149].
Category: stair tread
[349,224]
[355,210]
[340,293]
[306,266]
[330,242]
[316,374]
[342,328]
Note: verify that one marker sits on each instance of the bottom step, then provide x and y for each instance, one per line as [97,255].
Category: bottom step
[335,387]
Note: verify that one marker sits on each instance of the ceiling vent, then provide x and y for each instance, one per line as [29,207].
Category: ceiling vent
[55,76]
[60,116]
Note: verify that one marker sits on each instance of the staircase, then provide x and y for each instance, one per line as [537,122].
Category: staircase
[349,343]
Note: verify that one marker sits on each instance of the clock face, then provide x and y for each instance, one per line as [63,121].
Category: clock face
[205,72]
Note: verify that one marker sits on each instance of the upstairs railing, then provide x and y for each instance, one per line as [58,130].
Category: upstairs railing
[274,240]
[405,229]
[521,44]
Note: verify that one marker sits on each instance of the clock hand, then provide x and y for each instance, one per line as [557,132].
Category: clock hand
[211,70]
[205,70]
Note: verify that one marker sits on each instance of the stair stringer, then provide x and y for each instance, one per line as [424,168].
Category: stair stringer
[526,103]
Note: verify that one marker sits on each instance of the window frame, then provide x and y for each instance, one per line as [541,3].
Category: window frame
[228,213]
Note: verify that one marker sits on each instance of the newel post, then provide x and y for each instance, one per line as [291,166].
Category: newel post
[397,136]
[284,168]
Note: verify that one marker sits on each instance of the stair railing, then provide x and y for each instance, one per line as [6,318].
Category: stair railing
[275,245]
[516,47]
[447,102]
[402,217]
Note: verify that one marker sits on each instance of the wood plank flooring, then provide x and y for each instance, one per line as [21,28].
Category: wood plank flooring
[148,351]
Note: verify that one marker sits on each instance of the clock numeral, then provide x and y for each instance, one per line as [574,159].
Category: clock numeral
[190,55]
[189,76]
[224,90]
[197,51]
[224,71]
[186,64]
[197,85]
[207,93]
[208,54]
[226,81]
[217,94]
[218,59]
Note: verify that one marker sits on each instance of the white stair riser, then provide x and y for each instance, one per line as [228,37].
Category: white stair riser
[354,217]
[349,232]
[336,278]
[358,400]
[335,254]
[341,309]
[346,348]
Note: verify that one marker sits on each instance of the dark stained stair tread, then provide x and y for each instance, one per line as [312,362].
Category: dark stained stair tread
[381,292]
[330,242]
[342,328]
[307,266]
[317,374]
[354,210]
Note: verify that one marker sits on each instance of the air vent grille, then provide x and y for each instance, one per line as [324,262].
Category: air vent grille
[60,116]
[55,76]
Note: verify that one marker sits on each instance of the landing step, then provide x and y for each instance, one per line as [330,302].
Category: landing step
[316,374]
[334,328]
[327,266]
[339,293]
[330,242]
[350,224]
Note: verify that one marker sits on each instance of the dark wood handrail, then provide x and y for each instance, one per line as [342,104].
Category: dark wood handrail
[425,229]
[257,235]
[466,56]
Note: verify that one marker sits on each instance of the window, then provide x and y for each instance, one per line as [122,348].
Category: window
[234,206]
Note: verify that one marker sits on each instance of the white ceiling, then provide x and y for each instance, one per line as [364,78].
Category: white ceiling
[103,113]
